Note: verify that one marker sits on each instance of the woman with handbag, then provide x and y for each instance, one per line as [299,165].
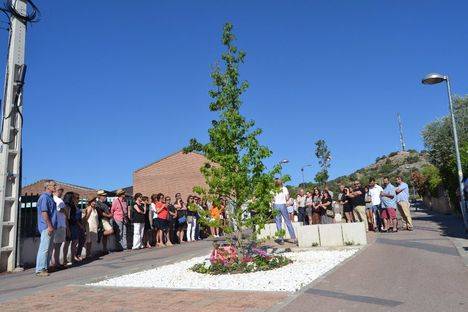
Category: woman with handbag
[326,206]
[121,218]
[138,219]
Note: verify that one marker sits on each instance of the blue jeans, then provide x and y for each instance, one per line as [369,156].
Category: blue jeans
[283,213]
[43,253]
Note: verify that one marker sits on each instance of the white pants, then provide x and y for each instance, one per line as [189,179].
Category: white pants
[138,229]
[191,230]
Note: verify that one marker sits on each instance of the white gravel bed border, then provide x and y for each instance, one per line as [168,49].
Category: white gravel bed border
[306,267]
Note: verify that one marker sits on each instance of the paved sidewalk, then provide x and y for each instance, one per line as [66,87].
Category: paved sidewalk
[404,271]
[16,285]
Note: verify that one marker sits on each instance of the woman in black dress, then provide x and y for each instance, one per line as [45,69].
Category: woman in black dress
[347,205]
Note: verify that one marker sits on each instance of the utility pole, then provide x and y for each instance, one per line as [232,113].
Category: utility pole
[10,147]
[402,139]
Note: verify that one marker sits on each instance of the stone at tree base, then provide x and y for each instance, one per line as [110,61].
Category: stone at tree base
[330,235]
[308,235]
[354,233]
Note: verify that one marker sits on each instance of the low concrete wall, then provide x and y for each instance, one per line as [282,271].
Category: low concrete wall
[29,247]
[331,235]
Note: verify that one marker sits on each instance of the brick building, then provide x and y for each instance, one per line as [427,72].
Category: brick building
[177,172]
[38,188]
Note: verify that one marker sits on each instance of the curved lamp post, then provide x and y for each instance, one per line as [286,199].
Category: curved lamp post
[435,78]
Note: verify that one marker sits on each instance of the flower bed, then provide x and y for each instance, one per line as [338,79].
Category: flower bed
[306,266]
[224,259]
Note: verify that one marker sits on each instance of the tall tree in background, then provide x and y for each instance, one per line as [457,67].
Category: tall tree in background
[235,169]
[438,141]
[324,157]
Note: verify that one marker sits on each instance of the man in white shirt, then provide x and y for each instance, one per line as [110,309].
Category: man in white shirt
[61,231]
[281,212]
[374,191]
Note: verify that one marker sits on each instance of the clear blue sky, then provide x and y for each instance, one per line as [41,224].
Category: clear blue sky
[113,85]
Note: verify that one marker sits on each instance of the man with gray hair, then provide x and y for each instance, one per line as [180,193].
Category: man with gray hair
[46,224]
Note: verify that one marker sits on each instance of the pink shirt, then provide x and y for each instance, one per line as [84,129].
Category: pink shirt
[117,207]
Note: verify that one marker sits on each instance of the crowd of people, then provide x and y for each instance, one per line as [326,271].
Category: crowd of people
[154,221]
[157,221]
[372,204]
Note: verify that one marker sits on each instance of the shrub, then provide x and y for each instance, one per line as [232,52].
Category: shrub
[256,260]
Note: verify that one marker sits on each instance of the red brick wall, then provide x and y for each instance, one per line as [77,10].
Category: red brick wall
[177,173]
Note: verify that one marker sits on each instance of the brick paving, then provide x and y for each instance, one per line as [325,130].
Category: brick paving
[78,298]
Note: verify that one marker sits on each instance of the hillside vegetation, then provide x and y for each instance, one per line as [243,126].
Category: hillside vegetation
[392,165]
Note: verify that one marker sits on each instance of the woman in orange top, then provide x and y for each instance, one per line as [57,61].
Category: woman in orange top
[215,217]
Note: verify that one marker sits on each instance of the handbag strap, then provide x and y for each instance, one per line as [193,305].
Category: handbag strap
[121,209]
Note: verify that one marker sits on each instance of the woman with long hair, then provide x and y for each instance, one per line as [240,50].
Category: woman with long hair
[346,200]
[316,209]
[327,213]
[181,221]
[74,215]
[91,220]
[191,218]
[138,219]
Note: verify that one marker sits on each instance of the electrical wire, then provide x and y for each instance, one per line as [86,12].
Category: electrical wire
[32,17]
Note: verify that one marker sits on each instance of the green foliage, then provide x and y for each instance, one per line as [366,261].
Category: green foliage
[324,157]
[439,143]
[432,178]
[254,264]
[235,169]
[280,233]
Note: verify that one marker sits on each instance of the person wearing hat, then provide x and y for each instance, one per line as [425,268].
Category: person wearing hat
[119,212]
[104,218]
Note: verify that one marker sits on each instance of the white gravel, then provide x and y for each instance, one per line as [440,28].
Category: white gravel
[306,267]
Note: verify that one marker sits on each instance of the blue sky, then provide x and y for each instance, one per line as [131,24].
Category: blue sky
[113,85]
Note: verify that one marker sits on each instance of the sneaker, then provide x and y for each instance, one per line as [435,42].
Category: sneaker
[42,273]
[169,244]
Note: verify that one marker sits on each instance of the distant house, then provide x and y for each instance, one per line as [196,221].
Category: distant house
[38,188]
[176,173]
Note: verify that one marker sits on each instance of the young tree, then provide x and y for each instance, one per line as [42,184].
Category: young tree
[324,157]
[235,170]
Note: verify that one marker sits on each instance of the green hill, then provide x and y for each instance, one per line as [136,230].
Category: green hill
[392,165]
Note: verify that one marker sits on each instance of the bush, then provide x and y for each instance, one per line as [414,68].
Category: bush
[392,154]
[432,179]
[412,159]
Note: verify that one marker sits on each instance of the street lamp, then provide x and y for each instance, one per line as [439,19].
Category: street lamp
[302,171]
[284,161]
[435,78]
